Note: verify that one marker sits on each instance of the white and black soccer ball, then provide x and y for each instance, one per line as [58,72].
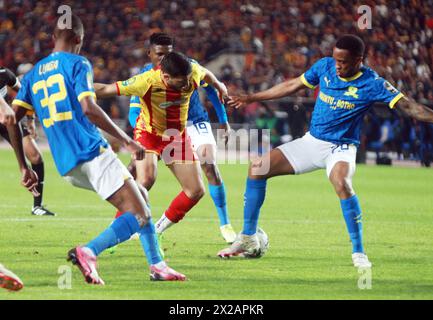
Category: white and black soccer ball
[264,245]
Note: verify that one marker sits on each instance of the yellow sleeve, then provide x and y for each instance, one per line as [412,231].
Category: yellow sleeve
[135,86]
[198,73]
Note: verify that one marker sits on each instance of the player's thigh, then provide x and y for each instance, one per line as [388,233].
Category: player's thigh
[272,164]
[31,150]
[340,168]
[189,176]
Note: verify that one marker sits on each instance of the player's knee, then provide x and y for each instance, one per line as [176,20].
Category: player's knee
[195,193]
[343,187]
[147,182]
[34,157]
[255,170]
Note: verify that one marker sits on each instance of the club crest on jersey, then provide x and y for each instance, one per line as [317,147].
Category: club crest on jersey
[352,92]
[388,86]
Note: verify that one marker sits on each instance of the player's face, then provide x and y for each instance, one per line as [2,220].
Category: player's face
[157,52]
[345,64]
[178,83]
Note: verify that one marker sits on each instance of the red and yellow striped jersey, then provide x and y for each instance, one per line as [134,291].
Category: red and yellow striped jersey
[162,108]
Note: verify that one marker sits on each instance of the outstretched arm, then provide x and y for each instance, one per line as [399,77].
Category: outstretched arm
[415,110]
[280,90]
[212,80]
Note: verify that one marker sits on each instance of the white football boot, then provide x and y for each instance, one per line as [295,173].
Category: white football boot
[360,260]
[244,246]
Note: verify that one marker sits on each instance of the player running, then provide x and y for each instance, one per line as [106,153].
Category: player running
[165,92]
[32,152]
[347,91]
[60,91]
[199,130]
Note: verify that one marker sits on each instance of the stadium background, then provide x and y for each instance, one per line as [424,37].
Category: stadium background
[251,46]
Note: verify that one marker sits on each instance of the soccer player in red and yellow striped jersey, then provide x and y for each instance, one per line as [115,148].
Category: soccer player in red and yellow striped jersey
[165,93]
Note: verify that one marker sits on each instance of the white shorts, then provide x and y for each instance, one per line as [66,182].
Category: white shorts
[307,154]
[104,174]
[200,134]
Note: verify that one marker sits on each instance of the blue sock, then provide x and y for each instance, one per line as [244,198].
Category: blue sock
[218,194]
[253,200]
[149,242]
[120,230]
[352,216]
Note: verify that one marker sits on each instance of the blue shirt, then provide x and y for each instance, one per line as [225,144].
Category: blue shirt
[342,102]
[196,112]
[53,89]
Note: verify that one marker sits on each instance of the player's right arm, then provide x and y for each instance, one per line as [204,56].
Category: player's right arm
[135,86]
[280,90]
[29,179]
[309,79]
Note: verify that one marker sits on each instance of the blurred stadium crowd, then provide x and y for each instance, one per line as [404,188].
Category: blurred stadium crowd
[279,40]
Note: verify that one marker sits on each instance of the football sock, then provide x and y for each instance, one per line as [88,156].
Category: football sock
[119,231]
[39,169]
[218,194]
[253,197]
[149,242]
[179,207]
[352,216]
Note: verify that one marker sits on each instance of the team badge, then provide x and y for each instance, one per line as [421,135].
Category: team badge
[352,92]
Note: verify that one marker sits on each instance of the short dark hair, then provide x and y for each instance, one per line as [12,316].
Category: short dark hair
[176,64]
[76,28]
[351,43]
[161,39]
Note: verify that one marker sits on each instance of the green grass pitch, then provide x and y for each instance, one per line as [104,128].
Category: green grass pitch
[309,256]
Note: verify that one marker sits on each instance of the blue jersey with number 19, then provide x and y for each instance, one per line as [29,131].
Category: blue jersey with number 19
[53,89]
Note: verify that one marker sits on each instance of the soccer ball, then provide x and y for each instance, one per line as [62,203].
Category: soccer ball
[264,245]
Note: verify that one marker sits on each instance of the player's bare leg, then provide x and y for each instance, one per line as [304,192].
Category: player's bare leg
[270,165]
[137,218]
[34,155]
[341,178]
[207,156]
[147,170]
[189,176]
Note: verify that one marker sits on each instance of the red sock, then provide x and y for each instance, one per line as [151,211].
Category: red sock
[179,207]
[118,214]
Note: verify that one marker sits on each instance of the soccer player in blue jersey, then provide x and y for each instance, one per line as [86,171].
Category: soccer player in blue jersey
[347,90]
[60,90]
[200,132]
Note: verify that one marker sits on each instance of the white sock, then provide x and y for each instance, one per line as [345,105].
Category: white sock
[163,224]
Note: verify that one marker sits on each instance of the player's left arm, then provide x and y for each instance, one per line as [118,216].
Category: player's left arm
[414,109]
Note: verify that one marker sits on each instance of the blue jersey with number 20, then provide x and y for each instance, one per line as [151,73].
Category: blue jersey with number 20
[53,89]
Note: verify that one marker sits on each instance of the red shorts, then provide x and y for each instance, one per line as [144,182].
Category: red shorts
[171,149]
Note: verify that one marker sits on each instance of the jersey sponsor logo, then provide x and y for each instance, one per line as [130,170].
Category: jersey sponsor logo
[129,81]
[351,92]
[388,86]
[173,103]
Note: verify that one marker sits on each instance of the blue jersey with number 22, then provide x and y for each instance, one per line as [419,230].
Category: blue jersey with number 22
[53,89]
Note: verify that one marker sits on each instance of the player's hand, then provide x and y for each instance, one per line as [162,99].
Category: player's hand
[238,101]
[223,94]
[7,117]
[29,180]
[227,131]
[137,151]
